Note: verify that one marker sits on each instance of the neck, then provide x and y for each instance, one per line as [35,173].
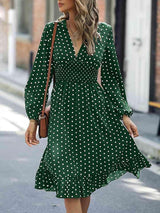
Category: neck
[72,14]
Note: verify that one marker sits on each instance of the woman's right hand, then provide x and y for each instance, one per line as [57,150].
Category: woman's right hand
[30,134]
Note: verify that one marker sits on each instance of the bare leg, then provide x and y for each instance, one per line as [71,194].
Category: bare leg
[85,201]
[73,205]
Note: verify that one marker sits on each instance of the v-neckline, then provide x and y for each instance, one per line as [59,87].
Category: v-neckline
[74,53]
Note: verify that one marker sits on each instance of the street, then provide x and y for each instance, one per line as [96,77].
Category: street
[19,162]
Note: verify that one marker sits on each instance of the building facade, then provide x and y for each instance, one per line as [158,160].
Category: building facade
[136,29]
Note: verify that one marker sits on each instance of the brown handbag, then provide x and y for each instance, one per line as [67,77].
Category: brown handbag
[43,119]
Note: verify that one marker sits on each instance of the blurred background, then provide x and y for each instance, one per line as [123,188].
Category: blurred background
[136,28]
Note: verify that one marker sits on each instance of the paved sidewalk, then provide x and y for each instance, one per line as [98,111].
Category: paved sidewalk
[147,123]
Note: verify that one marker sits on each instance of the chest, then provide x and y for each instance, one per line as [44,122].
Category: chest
[65,53]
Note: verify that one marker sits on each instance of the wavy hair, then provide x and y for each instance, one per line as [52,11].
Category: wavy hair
[86,21]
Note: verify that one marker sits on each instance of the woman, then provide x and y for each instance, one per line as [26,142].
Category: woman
[88,145]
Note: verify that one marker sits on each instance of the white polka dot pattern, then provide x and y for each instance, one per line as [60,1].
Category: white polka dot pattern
[35,87]
[88,145]
[112,81]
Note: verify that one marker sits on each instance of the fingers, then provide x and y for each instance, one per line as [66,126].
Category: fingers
[130,132]
[133,131]
[131,127]
[27,138]
[30,138]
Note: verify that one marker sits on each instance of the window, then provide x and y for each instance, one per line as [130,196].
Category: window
[24,16]
[52,12]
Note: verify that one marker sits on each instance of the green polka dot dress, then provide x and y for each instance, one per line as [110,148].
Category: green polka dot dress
[88,144]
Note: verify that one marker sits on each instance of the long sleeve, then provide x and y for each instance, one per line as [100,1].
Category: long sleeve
[111,78]
[35,88]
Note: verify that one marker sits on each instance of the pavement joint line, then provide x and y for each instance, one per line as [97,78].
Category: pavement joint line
[148,146]
[11,97]
[11,87]
[148,141]
[155,169]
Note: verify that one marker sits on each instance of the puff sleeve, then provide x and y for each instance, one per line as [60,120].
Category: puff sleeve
[35,88]
[111,78]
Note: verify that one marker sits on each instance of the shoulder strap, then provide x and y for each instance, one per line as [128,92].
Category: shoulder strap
[49,68]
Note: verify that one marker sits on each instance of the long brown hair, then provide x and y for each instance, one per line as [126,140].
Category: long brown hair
[86,21]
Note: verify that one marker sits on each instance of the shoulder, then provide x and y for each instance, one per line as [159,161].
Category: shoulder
[49,26]
[105,26]
[48,29]
[105,31]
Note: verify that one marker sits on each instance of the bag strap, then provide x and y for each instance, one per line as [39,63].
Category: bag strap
[49,68]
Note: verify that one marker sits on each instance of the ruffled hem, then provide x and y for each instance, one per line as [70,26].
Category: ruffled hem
[76,187]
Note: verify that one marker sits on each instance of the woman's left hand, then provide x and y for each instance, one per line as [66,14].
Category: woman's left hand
[131,127]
